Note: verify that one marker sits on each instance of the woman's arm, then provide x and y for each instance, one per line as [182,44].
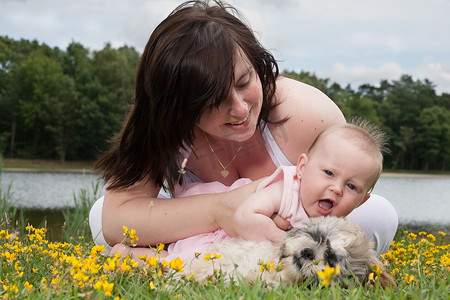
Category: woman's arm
[166,220]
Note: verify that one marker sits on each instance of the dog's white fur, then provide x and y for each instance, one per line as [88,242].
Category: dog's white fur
[325,241]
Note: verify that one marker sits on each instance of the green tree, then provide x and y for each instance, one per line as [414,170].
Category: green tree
[12,53]
[399,111]
[433,137]
[46,99]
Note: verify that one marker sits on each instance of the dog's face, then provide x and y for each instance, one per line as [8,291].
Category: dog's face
[327,241]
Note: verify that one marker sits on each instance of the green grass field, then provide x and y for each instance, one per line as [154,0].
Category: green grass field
[32,267]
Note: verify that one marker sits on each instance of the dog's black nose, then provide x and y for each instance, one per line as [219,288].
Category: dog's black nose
[307,253]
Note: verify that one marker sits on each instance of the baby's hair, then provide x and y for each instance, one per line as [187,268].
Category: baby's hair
[367,135]
[362,133]
[374,134]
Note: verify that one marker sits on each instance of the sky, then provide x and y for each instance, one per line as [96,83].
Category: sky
[348,41]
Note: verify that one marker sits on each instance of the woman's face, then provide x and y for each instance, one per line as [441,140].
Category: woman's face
[236,117]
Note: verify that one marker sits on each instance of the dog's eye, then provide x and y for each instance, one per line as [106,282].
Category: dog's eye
[330,257]
[307,253]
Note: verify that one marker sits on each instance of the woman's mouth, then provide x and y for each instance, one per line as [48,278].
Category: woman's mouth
[241,121]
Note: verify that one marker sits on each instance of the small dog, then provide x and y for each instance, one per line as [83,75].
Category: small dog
[325,241]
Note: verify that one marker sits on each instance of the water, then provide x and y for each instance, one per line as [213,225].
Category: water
[36,190]
[418,200]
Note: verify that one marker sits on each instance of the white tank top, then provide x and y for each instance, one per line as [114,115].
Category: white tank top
[275,153]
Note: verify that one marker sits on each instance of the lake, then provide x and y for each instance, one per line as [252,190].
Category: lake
[418,199]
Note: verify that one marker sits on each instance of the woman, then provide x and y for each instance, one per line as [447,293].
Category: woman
[208,92]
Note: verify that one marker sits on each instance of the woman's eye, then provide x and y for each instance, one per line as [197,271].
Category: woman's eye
[351,186]
[244,83]
[328,172]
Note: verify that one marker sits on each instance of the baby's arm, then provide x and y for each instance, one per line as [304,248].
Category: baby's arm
[253,216]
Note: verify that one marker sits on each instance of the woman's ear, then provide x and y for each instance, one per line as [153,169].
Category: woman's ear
[301,163]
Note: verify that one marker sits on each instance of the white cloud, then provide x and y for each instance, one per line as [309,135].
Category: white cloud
[347,41]
[356,76]
[373,42]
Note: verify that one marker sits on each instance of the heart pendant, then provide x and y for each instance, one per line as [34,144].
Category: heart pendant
[224,173]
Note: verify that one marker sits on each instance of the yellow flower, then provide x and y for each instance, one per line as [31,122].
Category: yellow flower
[210,256]
[160,248]
[152,286]
[96,249]
[431,237]
[329,274]
[269,267]
[55,280]
[152,261]
[28,286]
[176,264]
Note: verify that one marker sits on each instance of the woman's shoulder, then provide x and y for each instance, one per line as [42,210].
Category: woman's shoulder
[299,100]
[294,91]
[309,112]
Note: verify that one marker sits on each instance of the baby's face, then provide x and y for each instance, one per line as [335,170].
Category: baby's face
[336,177]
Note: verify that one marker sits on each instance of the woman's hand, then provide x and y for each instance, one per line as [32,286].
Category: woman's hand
[280,222]
[227,204]
[231,200]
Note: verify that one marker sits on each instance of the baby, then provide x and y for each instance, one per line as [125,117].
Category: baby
[336,176]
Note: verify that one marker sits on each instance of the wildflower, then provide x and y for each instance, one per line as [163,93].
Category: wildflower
[412,236]
[269,267]
[212,257]
[442,233]
[159,248]
[152,261]
[431,237]
[96,249]
[55,280]
[409,278]
[28,286]
[176,265]
[131,234]
[152,286]
[11,288]
[107,287]
[328,275]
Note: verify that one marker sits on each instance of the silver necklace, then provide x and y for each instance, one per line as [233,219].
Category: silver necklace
[224,172]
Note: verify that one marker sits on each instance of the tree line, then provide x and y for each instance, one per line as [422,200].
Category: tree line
[67,104]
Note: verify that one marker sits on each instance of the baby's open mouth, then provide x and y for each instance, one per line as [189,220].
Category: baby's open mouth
[326,204]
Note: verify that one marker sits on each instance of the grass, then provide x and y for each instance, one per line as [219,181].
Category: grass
[33,267]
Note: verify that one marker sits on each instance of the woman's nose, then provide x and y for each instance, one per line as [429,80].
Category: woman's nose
[237,106]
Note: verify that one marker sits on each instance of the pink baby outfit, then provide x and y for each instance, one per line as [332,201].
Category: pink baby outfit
[291,209]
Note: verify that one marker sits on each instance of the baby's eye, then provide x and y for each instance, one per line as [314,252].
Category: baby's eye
[328,172]
[351,186]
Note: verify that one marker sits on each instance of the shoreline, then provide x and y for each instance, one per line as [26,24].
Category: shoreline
[91,171]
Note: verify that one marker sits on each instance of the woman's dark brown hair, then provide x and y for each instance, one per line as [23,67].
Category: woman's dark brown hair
[186,69]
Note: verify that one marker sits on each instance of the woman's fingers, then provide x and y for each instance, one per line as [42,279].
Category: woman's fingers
[280,222]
